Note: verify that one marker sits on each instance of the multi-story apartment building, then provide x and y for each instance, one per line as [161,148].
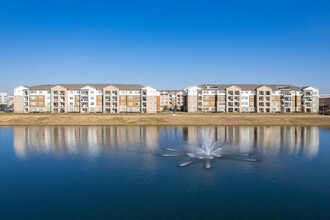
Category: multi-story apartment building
[10,101]
[118,98]
[324,105]
[172,99]
[3,98]
[83,98]
[251,98]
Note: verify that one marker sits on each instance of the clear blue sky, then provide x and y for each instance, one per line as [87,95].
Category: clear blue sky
[165,44]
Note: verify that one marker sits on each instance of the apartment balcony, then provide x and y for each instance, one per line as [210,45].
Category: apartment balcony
[62,99]
[84,100]
[62,93]
[55,104]
[308,94]
[286,105]
[144,99]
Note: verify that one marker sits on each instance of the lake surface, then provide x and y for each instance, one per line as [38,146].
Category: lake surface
[119,172]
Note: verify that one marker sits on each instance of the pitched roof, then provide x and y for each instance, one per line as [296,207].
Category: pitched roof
[79,86]
[41,87]
[324,96]
[249,86]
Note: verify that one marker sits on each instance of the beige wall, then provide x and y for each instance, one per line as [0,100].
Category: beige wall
[192,103]
[151,104]
[59,102]
[18,104]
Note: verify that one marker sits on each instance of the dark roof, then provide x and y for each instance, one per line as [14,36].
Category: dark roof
[79,86]
[41,87]
[170,90]
[249,86]
[324,96]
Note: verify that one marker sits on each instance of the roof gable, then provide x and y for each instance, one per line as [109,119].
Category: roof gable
[55,87]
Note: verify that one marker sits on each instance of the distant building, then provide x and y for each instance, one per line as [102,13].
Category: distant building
[121,98]
[10,101]
[244,98]
[3,98]
[172,99]
[325,104]
[83,98]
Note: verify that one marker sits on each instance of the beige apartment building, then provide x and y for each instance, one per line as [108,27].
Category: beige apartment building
[249,98]
[83,98]
[172,99]
[122,98]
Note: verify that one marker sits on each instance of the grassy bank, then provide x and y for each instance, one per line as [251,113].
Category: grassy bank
[164,119]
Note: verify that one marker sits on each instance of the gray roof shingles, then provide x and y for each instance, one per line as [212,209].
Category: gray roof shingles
[79,86]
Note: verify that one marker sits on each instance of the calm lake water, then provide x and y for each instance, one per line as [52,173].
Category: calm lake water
[118,173]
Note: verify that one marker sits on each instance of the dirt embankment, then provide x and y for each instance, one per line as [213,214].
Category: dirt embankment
[165,119]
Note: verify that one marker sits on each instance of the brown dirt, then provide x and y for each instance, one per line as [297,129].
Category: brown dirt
[165,119]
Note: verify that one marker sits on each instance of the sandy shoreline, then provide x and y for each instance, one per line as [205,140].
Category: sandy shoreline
[181,119]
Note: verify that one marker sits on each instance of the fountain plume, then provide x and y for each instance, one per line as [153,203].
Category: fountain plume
[206,150]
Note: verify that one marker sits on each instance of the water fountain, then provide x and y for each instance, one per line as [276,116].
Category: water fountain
[206,150]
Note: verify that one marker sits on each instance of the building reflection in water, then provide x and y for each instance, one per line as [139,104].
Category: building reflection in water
[98,140]
[88,140]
